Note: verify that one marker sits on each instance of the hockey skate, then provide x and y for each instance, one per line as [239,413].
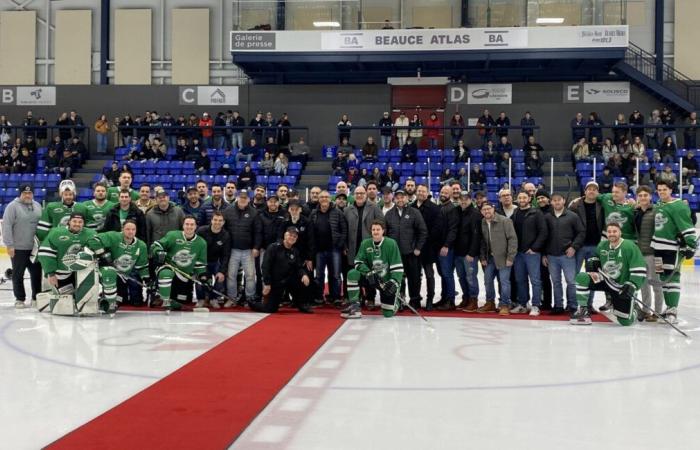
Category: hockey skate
[352,311]
[606,307]
[581,316]
[172,305]
[671,314]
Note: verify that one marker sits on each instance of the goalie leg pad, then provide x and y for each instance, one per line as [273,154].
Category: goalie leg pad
[87,292]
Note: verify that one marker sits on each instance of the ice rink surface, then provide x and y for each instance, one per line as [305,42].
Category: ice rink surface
[378,383]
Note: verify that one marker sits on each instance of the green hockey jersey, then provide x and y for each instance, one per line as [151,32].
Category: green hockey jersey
[188,255]
[95,214]
[60,249]
[125,257]
[623,263]
[618,213]
[113,194]
[56,214]
[383,258]
[673,227]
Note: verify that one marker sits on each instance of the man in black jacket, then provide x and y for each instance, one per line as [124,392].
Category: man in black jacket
[446,228]
[406,226]
[566,235]
[272,221]
[297,219]
[467,247]
[218,255]
[126,210]
[428,255]
[245,231]
[531,231]
[283,274]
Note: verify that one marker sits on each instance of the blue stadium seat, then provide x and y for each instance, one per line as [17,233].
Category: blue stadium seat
[421,168]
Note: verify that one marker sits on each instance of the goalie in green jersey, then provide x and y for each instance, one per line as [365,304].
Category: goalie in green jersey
[377,265]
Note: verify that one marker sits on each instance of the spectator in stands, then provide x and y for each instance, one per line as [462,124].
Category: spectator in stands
[352,161]
[416,131]
[258,123]
[281,164]
[461,152]
[652,132]
[344,128]
[636,119]
[502,124]
[485,123]
[620,130]
[205,124]
[5,160]
[52,162]
[433,126]
[270,130]
[669,177]
[345,147]
[401,123]
[14,159]
[580,152]
[376,176]
[249,152]
[690,165]
[283,133]
[364,177]
[370,150]
[193,130]
[685,185]
[267,165]
[28,124]
[271,147]
[25,162]
[595,148]
[299,151]
[102,133]
[111,174]
[533,164]
[578,128]
[478,179]
[122,211]
[203,163]
[638,149]
[140,152]
[141,126]
[237,122]
[117,140]
[182,150]
[667,120]
[489,152]
[77,124]
[126,130]
[159,150]
[30,143]
[385,131]
[463,178]
[57,145]
[340,163]
[616,165]
[168,123]
[595,127]
[668,150]
[503,166]
[690,135]
[409,151]
[352,177]
[164,217]
[504,145]
[80,152]
[67,165]
[247,178]
[458,132]
[527,122]
[609,150]
[41,132]
[606,181]
[220,131]
[446,177]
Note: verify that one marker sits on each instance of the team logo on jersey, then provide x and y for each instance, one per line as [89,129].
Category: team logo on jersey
[179,241]
[603,253]
[219,243]
[98,218]
[64,221]
[379,266]
[660,221]
[616,217]
[64,238]
[370,250]
[183,258]
[71,254]
[124,263]
[613,269]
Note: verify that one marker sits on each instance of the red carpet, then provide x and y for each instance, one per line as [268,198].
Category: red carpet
[207,403]
[329,310]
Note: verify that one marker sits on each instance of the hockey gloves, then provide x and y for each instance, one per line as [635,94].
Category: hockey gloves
[627,292]
[391,287]
[159,258]
[105,260]
[689,253]
[373,279]
[592,265]
[205,279]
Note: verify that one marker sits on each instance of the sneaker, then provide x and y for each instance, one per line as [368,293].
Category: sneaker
[447,306]
[156,302]
[489,307]
[519,309]
[19,304]
[535,311]
[306,309]
[557,311]
[671,314]
[472,306]
[229,303]
[504,310]
[581,316]
[463,304]
[337,303]
[606,307]
[352,311]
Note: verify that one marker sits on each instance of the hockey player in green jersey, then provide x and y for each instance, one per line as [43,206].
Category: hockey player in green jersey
[120,254]
[618,269]
[96,210]
[674,238]
[179,256]
[616,208]
[56,213]
[68,268]
[378,261]
[125,179]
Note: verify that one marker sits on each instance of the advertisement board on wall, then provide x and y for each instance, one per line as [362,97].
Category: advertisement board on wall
[208,95]
[480,94]
[28,95]
[597,92]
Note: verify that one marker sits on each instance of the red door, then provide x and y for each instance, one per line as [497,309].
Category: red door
[421,100]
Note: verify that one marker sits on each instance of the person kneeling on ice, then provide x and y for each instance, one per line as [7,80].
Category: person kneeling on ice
[120,254]
[284,273]
[179,257]
[617,268]
[70,270]
[378,263]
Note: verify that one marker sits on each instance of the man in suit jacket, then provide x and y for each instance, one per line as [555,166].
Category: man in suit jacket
[499,245]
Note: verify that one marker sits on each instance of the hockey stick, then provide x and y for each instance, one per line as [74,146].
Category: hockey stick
[644,307]
[382,286]
[197,282]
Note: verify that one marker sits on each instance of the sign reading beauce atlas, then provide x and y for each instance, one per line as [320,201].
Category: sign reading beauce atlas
[444,39]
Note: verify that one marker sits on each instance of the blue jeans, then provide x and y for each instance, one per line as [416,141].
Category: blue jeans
[237,140]
[583,254]
[433,143]
[171,140]
[386,142]
[212,269]
[466,273]
[446,268]
[247,158]
[490,272]
[101,142]
[241,258]
[220,141]
[557,265]
[528,267]
[329,260]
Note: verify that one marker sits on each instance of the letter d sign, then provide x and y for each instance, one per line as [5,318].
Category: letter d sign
[456,94]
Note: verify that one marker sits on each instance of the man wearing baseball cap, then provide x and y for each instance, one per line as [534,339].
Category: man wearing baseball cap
[284,273]
[19,222]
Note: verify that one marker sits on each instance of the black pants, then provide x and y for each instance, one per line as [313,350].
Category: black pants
[301,295]
[546,286]
[411,277]
[130,292]
[427,262]
[20,263]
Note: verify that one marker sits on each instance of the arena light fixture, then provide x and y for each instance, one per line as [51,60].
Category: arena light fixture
[549,20]
[327,24]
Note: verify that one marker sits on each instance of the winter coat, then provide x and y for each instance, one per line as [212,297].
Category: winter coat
[500,241]
[113,223]
[244,227]
[159,222]
[408,230]
[370,214]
